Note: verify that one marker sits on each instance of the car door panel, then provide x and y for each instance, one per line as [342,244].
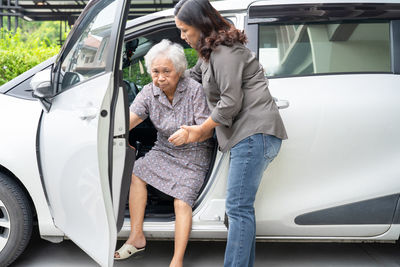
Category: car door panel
[82,155]
[339,152]
[71,170]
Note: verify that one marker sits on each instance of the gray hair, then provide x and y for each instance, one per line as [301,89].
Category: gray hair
[170,50]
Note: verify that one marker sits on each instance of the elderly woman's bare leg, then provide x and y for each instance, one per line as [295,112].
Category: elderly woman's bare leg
[183,225]
[137,205]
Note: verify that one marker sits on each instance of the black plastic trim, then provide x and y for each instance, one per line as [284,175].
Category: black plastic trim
[151,29]
[395,45]
[317,12]
[396,217]
[144,20]
[130,157]
[252,32]
[118,30]
[39,159]
[379,210]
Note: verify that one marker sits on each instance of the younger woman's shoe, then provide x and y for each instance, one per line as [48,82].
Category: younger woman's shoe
[127,251]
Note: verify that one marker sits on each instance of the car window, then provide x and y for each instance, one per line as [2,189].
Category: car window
[321,48]
[136,72]
[88,56]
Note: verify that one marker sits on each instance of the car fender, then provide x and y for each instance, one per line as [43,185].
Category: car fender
[20,122]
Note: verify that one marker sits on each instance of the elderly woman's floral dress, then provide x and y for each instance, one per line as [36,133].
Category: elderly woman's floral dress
[178,171]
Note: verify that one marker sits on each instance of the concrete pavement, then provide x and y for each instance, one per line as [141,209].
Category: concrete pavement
[41,253]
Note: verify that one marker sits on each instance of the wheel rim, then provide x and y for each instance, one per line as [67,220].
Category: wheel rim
[4,225]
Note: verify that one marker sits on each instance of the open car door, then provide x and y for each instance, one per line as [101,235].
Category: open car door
[85,159]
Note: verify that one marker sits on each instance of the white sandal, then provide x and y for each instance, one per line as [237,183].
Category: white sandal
[127,251]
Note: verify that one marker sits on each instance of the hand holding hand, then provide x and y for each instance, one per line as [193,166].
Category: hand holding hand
[186,134]
[195,133]
[180,137]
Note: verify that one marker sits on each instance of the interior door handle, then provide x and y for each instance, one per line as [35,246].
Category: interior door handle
[281,103]
[88,113]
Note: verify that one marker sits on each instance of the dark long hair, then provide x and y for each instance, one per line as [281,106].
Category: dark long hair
[214,29]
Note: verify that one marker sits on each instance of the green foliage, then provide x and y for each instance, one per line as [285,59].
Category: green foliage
[191,57]
[18,53]
[33,43]
[47,31]
[137,74]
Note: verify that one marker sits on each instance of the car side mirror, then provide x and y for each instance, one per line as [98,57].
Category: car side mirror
[70,78]
[42,88]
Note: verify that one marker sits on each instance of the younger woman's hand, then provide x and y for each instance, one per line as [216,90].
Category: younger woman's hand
[179,138]
[195,133]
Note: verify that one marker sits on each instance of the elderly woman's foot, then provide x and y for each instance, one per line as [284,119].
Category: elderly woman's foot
[130,248]
[176,263]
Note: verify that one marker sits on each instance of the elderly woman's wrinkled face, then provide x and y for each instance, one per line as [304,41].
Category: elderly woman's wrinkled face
[164,74]
[188,33]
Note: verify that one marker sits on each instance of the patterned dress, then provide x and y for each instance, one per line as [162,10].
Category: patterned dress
[178,171]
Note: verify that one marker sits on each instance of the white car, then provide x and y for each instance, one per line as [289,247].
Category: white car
[334,70]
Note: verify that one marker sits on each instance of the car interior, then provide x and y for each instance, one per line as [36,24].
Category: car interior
[142,137]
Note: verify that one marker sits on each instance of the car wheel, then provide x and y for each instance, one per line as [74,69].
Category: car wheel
[15,220]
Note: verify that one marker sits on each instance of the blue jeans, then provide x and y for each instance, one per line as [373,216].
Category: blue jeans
[248,161]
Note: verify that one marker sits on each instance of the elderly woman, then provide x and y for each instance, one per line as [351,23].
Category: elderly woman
[170,101]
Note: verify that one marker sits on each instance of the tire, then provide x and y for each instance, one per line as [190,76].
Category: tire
[15,220]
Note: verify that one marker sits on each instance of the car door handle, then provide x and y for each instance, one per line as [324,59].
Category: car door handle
[281,103]
[88,113]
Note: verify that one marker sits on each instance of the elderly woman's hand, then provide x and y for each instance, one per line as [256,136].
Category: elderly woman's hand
[180,137]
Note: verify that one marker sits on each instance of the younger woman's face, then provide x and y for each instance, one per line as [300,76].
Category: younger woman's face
[188,33]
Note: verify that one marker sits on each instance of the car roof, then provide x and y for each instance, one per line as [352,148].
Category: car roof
[228,6]
[222,6]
